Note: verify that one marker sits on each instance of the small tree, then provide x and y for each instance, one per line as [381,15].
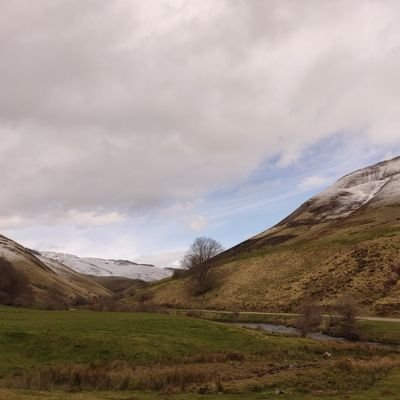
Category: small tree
[197,261]
[347,311]
[309,319]
[344,322]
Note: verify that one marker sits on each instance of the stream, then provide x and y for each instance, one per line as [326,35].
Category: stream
[287,330]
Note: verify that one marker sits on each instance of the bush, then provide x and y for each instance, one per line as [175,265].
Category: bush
[14,285]
[79,300]
[179,273]
[344,321]
[309,320]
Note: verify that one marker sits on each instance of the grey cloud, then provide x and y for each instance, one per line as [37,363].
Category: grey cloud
[128,105]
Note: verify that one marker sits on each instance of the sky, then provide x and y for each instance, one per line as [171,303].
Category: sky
[129,128]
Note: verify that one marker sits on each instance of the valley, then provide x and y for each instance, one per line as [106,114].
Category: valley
[63,333]
[199,200]
[344,241]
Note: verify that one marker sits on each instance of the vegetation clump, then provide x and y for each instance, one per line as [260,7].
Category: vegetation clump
[309,320]
[14,286]
[198,262]
[343,321]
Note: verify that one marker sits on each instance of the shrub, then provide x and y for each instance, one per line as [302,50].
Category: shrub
[344,321]
[14,285]
[309,319]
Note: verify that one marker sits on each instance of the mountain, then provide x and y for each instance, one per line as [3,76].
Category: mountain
[30,279]
[343,241]
[373,191]
[113,268]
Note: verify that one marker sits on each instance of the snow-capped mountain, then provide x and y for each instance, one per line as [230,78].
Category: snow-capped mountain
[351,201]
[101,267]
[378,184]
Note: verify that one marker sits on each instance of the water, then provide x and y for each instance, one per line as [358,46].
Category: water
[287,330]
[291,331]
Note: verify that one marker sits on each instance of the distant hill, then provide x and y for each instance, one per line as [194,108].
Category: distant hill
[118,285]
[115,268]
[344,241]
[29,279]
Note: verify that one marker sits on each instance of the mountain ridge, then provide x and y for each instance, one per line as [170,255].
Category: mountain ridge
[109,267]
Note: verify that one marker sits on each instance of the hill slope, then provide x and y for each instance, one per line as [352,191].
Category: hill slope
[35,280]
[115,268]
[346,240]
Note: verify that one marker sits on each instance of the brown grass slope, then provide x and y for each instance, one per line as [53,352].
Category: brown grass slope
[325,249]
[46,283]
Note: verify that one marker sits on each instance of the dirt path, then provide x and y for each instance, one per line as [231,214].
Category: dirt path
[379,319]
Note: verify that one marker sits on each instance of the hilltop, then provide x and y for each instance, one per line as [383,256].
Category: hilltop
[30,279]
[343,241]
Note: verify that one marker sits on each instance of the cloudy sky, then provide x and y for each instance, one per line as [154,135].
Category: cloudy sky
[128,128]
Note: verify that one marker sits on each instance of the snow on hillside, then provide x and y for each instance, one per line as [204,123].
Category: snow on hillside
[377,183]
[16,253]
[101,267]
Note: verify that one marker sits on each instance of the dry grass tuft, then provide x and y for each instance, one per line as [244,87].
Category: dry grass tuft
[204,375]
[372,366]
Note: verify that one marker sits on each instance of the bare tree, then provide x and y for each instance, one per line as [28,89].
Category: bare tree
[197,261]
[309,319]
[344,322]
[347,311]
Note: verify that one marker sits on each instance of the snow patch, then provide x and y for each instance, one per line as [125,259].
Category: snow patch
[101,267]
[357,189]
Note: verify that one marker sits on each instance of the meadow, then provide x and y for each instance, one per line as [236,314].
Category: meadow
[385,332]
[99,355]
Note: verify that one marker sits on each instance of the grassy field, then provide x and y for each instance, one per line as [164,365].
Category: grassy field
[97,355]
[381,331]
[387,388]
[246,317]
[386,332]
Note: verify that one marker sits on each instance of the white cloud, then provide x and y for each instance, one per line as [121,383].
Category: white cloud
[125,106]
[313,182]
[165,259]
[12,222]
[198,224]
[115,109]
[89,218]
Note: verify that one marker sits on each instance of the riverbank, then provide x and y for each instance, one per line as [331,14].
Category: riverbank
[372,329]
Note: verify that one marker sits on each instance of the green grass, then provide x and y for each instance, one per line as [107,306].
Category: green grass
[32,338]
[381,331]
[348,238]
[387,388]
[249,317]
[130,351]
[386,332]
